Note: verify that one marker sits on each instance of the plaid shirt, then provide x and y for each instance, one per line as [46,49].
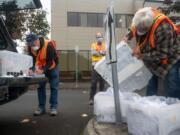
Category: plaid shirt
[167,45]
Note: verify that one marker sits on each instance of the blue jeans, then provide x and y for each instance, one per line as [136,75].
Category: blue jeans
[171,83]
[53,77]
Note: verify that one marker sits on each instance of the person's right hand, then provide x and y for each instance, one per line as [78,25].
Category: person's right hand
[137,53]
[39,71]
[30,73]
[102,52]
[125,39]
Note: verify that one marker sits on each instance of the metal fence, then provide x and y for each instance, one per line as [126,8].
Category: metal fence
[68,58]
[73,64]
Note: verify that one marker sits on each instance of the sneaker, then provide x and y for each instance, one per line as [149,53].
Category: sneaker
[91,102]
[53,112]
[39,112]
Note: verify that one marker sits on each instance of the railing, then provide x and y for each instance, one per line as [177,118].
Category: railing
[68,69]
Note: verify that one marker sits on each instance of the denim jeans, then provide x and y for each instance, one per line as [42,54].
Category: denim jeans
[171,83]
[53,77]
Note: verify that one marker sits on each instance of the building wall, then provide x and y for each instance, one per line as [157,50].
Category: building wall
[68,37]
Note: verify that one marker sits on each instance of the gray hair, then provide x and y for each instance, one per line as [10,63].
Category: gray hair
[143,17]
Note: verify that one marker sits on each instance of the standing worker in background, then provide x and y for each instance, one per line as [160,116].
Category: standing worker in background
[45,62]
[98,51]
[158,46]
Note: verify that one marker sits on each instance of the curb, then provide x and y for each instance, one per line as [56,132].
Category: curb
[89,130]
[95,128]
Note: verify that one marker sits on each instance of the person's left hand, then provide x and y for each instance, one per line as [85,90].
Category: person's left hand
[137,52]
[103,52]
[39,71]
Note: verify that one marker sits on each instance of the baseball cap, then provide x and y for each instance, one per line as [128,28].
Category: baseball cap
[30,38]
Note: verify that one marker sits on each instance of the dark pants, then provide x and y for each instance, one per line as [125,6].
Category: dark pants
[171,83]
[53,77]
[95,79]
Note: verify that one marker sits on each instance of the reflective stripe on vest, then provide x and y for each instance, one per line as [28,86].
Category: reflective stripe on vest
[156,24]
[97,48]
[41,57]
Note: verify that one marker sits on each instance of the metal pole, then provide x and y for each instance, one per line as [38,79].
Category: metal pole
[116,93]
[77,51]
[111,58]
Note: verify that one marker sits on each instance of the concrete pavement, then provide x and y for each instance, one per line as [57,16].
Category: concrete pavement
[95,128]
[16,118]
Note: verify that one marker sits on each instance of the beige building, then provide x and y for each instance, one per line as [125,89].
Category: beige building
[75,23]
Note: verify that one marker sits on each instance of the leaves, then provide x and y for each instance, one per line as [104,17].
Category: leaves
[37,23]
[18,22]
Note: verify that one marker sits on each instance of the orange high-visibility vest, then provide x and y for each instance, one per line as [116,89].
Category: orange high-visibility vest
[178,27]
[158,19]
[41,56]
[97,48]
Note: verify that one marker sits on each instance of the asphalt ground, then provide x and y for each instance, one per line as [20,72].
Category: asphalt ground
[16,117]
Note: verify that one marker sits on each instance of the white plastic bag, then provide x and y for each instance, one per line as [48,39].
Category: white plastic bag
[132,74]
[14,62]
[154,115]
[104,107]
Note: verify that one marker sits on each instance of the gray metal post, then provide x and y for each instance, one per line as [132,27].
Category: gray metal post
[77,51]
[116,93]
[111,58]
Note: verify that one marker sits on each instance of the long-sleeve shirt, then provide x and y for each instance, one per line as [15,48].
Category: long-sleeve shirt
[167,45]
[50,56]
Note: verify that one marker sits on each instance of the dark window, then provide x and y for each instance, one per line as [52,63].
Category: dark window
[7,5]
[83,19]
[100,21]
[92,20]
[96,19]
[73,19]
[120,21]
[128,20]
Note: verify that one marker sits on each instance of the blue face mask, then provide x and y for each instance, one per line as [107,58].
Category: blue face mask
[141,33]
[99,40]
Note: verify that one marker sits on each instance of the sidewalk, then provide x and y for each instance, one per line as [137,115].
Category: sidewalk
[94,128]
[73,85]
[68,86]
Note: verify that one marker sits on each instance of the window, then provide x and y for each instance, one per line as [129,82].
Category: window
[121,21]
[19,4]
[92,20]
[100,21]
[118,20]
[73,19]
[80,19]
[83,19]
[128,20]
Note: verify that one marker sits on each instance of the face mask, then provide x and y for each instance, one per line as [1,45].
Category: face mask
[99,40]
[35,48]
[141,33]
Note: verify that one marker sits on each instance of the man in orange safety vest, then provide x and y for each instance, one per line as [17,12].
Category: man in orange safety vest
[158,46]
[45,59]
